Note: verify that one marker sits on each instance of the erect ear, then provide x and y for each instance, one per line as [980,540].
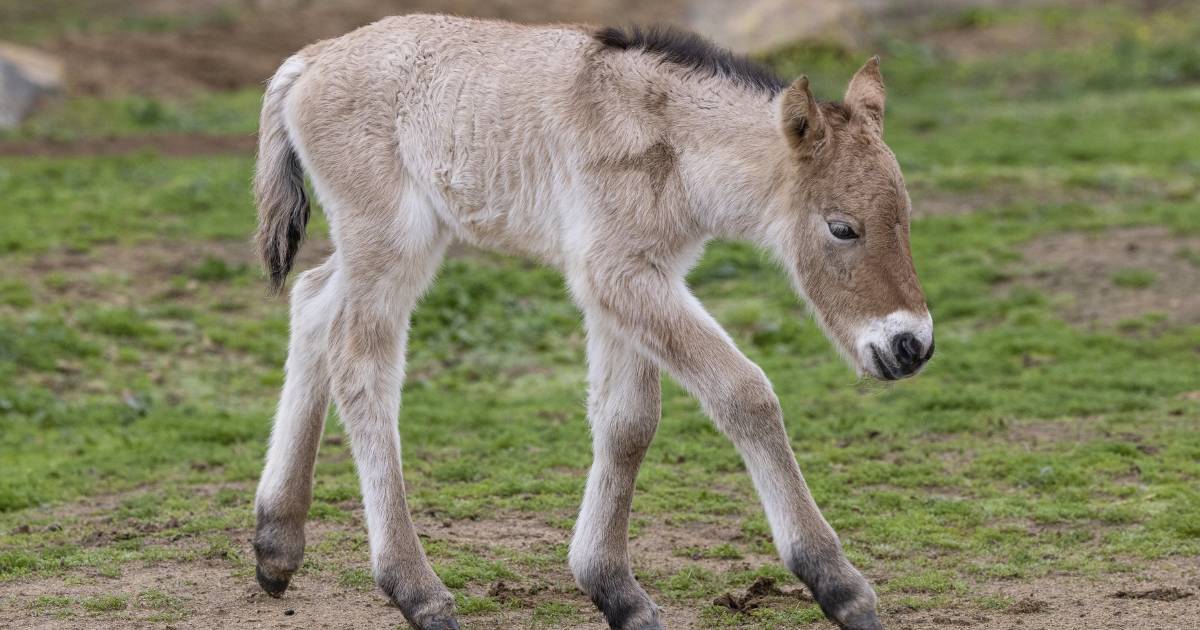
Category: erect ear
[800,116]
[865,94]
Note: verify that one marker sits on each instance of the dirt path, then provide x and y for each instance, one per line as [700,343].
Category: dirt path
[1105,278]
[170,145]
[211,594]
[221,592]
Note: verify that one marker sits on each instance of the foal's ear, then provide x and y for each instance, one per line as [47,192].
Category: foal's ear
[865,93]
[800,116]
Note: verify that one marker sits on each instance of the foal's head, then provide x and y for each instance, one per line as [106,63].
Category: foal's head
[843,227]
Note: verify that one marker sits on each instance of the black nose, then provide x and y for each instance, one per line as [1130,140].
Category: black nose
[909,352]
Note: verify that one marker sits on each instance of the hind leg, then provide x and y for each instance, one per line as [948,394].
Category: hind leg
[285,489]
[387,267]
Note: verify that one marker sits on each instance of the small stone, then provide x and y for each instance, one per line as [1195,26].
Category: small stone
[289,612]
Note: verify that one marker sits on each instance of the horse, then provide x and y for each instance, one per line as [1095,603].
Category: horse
[612,155]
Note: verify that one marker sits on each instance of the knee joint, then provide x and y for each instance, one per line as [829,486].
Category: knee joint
[748,404]
[629,443]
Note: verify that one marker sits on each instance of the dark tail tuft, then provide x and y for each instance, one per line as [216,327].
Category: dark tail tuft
[279,193]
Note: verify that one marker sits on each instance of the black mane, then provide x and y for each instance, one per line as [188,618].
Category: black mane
[694,52]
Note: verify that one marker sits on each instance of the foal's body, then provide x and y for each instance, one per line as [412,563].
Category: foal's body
[593,154]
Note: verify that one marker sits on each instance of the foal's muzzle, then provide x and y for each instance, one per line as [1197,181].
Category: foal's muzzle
[907,356]
[895,346]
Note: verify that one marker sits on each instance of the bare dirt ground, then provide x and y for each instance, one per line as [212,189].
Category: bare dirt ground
[1160,595]
[219,593]
[1083,270]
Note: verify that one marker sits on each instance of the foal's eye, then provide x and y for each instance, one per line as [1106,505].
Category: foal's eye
[842,230]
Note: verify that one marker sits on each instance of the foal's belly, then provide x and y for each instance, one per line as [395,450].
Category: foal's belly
[523,222]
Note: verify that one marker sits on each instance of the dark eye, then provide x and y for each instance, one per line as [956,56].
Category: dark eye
[842,230]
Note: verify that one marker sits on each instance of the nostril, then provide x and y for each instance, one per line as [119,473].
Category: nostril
[908,349]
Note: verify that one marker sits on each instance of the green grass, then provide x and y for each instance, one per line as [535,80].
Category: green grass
[36,21]
[104,603]
[1029,446]
[1134,278]
[220,113]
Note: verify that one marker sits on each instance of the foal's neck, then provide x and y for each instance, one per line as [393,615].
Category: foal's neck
[734,163]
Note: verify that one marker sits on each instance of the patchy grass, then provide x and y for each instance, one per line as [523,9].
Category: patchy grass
[215,113]
[34,21]
[1134,278]
[104,603]
[136,390]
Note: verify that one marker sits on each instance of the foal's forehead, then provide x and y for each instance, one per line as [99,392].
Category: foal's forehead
[865,180]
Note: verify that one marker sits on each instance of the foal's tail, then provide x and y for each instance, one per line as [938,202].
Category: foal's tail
[279,182]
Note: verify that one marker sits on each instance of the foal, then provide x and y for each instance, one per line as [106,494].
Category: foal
[613,156]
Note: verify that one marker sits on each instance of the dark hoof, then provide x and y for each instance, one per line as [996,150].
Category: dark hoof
[428,608]
[274,587]
[278,551]
[653,624]
[432,623]
[444,623]
[844,595]
[864,622]
[628,608]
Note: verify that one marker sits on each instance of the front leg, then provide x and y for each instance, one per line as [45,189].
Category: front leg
[656,313]
[623,409]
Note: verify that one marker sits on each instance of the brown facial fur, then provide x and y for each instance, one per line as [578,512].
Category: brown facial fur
[847,173]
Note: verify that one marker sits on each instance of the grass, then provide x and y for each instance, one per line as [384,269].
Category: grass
[1134,278]
[218,113]
[1029,446]
[104,603]
[36,21]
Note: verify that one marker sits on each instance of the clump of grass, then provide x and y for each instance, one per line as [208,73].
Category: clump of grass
[724,551]
[213,269]
[15,293]
[356,578]
[554,614]
[155,599]
[470,605]
[105,603]
[50,603]
[125,323]
[1134,278]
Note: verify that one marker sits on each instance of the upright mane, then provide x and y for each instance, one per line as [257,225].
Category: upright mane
[693,52]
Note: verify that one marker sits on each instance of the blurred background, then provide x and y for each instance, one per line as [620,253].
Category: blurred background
[1043,472]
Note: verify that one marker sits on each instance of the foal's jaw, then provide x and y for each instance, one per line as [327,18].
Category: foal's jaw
[894,347]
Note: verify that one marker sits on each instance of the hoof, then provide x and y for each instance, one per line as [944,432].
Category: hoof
[624,604]
[443,623]
[844,595]
[439,622]
[426,607]
[863,621]
[278,551]
[273,586]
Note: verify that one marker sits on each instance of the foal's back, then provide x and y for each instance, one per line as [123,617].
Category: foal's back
[474,116]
